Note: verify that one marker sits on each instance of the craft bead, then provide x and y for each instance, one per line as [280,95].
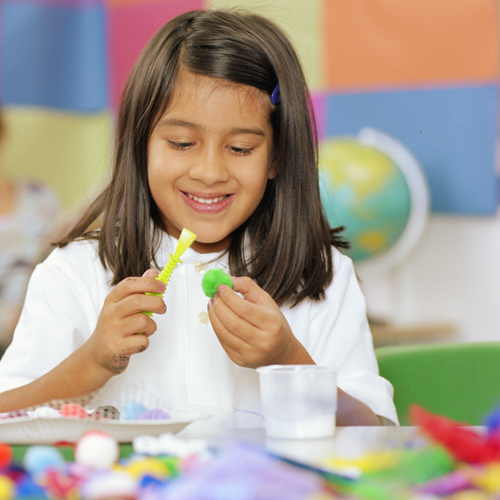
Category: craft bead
[46,411]
[97,449]
[7,488]
[132,410]
[37,459]
[6,454]
[155,414]
[106,412]
[73,410]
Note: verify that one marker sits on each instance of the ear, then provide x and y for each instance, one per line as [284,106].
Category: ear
[272,172]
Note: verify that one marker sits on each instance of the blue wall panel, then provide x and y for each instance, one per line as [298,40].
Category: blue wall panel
[451,131]
[53,56]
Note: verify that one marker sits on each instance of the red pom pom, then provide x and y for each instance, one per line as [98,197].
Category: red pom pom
[6,454]
[73,410]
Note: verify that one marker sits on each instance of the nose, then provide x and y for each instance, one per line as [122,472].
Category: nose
[210,166]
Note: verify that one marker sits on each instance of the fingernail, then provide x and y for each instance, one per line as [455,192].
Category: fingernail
[220,288]
[210,302]
[162,286]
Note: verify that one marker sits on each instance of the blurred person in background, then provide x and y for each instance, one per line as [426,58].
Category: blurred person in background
[28,212]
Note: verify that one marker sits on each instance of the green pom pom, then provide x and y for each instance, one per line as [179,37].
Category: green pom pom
[212,279]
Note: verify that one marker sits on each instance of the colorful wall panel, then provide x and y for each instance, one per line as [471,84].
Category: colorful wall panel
[373,43]
[424,71]
[63,66]
[451,131]
[130,25]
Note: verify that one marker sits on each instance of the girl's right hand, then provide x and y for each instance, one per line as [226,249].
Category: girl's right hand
[122,327]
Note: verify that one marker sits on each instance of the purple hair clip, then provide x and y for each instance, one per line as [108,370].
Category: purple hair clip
[275,96]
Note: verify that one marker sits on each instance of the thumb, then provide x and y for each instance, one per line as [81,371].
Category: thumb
[150,273]
[249,289]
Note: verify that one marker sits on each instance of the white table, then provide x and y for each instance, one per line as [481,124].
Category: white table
[348,442]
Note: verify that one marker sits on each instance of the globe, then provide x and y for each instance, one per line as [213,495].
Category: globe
[373,186]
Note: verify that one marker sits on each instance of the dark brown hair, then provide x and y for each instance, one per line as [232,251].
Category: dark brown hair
[289,237]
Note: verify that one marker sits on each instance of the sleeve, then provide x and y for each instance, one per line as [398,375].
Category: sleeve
[58,316]
[344,340]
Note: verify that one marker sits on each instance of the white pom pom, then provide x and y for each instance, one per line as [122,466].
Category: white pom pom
[97,449]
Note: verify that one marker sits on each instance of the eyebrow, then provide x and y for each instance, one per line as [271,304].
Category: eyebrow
[173,122]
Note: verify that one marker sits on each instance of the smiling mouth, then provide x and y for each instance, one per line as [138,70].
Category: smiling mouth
[207,201]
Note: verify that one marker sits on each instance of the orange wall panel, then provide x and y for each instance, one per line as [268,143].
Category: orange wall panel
[370,43]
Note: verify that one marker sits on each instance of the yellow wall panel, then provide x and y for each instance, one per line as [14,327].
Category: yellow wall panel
[301,20]
[69,152]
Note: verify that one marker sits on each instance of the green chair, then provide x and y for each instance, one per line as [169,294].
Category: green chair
[460,381]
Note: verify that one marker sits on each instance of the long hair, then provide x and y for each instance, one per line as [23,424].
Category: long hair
[290,254]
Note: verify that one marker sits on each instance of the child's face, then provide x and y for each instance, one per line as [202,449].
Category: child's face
[208,158]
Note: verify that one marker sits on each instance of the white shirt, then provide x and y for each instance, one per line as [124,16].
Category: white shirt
[185,368]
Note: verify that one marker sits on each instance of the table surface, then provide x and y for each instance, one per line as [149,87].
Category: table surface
[348,442]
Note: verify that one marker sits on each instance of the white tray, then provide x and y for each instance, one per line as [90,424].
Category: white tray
[49,430]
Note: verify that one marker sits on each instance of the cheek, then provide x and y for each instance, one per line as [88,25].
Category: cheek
[160,167]
[256,184]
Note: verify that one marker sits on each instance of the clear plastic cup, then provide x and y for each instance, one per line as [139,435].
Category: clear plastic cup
[298,401]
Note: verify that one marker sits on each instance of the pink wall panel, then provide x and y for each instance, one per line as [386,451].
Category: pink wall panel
[320,102]
[130,26]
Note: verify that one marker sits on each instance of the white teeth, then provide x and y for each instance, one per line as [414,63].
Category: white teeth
[207,201]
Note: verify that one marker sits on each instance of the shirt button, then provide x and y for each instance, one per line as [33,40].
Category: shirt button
[203,317]
[200,267]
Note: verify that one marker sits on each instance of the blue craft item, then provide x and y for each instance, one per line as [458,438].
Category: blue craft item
[38,459]
[27,489]
[132,410]
[492,421]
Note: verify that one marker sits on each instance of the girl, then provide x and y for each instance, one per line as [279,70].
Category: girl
[214,134]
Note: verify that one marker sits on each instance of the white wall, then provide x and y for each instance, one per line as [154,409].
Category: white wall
[453,275]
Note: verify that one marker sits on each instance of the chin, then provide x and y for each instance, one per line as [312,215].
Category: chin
[212,244]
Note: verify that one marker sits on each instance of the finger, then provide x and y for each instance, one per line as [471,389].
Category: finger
[150,273]
[234,346]
[252,292]
[132,325]
[121,357]
[141,323]
[133,285]
[253,313]
[229,328]
[140,302]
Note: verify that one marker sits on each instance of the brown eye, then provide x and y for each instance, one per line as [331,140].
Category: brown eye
[240,151]
[180,145]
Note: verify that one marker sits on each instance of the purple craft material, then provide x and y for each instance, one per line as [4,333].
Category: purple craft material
[446,485]
[155,414]
[241,472]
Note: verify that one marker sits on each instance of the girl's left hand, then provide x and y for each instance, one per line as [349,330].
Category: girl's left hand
[253,330]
